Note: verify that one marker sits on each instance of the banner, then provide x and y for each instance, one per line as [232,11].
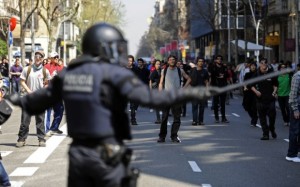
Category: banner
[174,45]
[168,47]
[162,50]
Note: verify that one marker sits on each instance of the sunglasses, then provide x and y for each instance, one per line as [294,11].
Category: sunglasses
[38,56]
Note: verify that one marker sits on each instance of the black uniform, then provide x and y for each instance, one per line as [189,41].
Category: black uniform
[95,96]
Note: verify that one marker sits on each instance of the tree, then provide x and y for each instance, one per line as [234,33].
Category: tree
[53,14]
[25,6]
[110,11]
[3,47]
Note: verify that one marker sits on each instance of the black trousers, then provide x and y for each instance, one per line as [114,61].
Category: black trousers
[176,111]
[267,110]
[133,109]
[283,102]
[86,168]
[252,111]
[219,100]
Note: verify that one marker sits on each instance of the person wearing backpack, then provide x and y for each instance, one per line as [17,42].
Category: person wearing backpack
[171,80]
[33,78]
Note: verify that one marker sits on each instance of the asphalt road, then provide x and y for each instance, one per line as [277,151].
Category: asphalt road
[214,155]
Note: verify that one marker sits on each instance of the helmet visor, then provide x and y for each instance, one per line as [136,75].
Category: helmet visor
[120,53]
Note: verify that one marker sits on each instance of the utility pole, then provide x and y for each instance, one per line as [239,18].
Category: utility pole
[296,31]
[64,36]
[32,33]
[228,28]
[256,23]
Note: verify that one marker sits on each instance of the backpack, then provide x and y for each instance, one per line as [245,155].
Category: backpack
[44,74]
[165,73]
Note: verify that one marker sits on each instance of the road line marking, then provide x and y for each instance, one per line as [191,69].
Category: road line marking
[42,153]
[24,171]
[17,183]
[194,166]
[5,153]
[287,140]
[258,125]
[235,114]
[219,115]
[206,185]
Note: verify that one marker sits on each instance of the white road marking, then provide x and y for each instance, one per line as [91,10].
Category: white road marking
[235,114]
[287,140]
[206,185]
[258,125]
[42,153]
[5,153]
[219,115]
[17,183]
[194,166]
[24,171]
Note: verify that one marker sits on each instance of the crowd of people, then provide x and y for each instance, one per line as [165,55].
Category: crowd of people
[35,75]
[259,99]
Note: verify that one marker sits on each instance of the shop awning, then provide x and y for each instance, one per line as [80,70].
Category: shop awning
[251,46]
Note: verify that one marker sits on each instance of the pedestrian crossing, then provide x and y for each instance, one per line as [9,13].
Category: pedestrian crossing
[39,156]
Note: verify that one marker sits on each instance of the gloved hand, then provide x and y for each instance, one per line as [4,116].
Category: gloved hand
[15,99]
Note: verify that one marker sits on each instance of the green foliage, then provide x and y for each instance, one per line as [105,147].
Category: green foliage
[3,48]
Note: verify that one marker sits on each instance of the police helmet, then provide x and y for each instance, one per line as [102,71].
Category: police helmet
[106,42]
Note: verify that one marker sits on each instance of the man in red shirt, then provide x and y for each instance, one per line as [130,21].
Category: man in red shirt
[54,67]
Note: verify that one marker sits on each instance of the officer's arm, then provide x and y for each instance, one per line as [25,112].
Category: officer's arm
[135,90]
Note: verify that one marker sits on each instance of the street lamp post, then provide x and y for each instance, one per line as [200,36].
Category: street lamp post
[256,37]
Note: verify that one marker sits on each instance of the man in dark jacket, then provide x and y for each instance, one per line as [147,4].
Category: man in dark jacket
[219,74]
[266,93]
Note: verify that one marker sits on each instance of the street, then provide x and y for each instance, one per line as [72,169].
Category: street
[214,155]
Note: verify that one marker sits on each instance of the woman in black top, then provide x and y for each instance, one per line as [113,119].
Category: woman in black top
[153,84]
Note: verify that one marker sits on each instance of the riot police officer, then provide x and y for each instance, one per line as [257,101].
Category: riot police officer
[95,89]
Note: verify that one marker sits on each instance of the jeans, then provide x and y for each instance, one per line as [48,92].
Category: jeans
[294,136]
[24,127]
[58,110]
[176,111]
[4,180]
[16,86]
[198,111]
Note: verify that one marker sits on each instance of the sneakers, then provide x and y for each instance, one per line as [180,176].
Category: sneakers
[201,123]
[48,134]
[157,122]
[217,121]
[176,140]
[42,143]
[161,140]
[56,132]
[134,123]
[292,159]
[194,123]
[20,144]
